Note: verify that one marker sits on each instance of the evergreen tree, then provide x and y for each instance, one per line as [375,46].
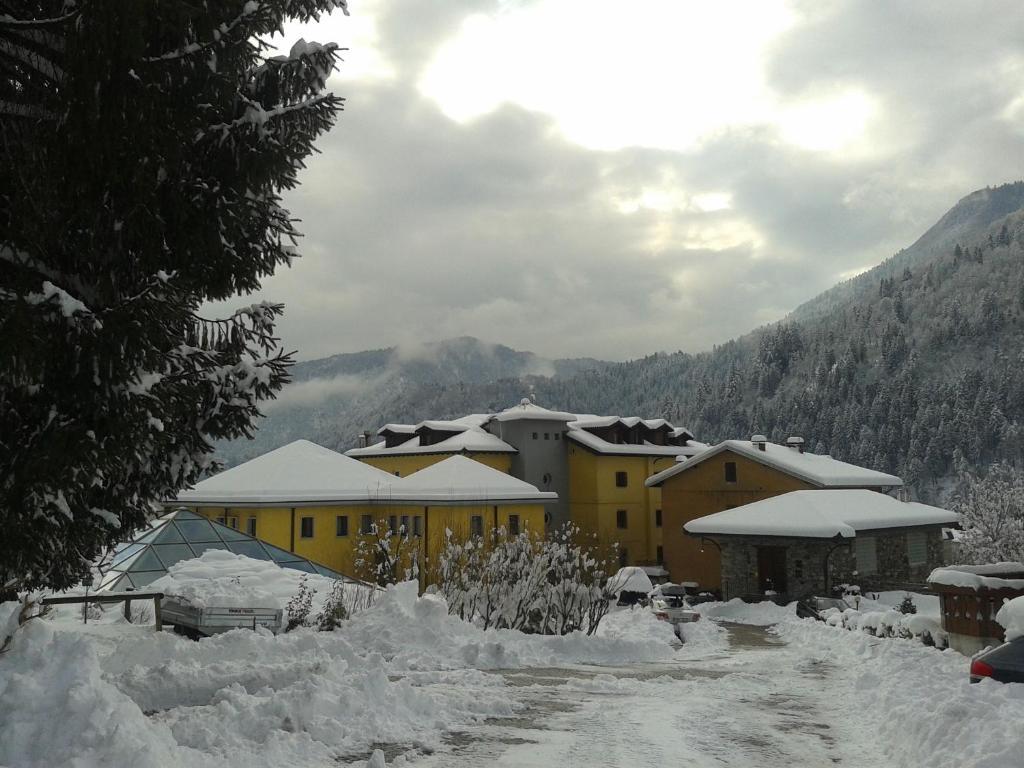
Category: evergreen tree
[143,148]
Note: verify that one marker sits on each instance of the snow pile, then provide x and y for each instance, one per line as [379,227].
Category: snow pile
[890,623]
[702,638]
[994,576]
[925,712]
[443,641]
[223,579]
[760,614]
[1011,617]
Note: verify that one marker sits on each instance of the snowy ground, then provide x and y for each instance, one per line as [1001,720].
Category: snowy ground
[428,690]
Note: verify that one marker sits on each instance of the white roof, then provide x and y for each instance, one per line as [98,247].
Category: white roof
[820,514]
[527,410]
[458,478]
[471,439]
[992,576]
[816,469]
[600,445]
[299,471]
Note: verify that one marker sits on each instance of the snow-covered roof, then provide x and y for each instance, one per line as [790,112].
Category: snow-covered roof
[820,514]
[461,479]
[471,439]
[528,410]
[993,576]
[599,445]
[816,469]
[299,471]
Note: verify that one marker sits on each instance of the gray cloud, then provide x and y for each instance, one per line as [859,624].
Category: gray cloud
[421,228]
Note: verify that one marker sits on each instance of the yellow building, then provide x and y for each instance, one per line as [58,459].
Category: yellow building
[735,473]
[315,502]
[596,465]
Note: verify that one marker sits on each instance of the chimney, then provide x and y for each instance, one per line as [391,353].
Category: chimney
[796,443]
[364,439]
[759,442]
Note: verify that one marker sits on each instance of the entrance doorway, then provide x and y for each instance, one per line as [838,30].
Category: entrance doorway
[771,569]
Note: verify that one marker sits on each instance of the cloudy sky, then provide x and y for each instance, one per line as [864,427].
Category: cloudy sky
[583,177]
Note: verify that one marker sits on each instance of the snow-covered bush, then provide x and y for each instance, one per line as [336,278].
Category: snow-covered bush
[907,605]
[299,606]
[386,555]
[891,623]
[550,586]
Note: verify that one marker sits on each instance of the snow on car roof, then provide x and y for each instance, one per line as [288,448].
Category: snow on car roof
[820,514]
[814,468]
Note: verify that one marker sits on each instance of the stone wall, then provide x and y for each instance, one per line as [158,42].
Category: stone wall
[805,564]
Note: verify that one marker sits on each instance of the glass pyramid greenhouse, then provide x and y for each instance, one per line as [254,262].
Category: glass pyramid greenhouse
[183,535]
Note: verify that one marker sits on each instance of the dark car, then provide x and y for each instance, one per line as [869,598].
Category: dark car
[1005,663]
[812,607]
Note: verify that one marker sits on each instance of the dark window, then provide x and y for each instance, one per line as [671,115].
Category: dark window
[798,568]
[557,435]
[661,555]
[222,520]
[623,557]
[233,522]
[620,519]
[365,523]
[397,473]
[730,471]
[657,518]
[393,523]
[306,527]
[534,435]
[250,527]
[547,435]
[621,479]
[341,523]
[513,525]
[405,525]
[417,526]
[476,525]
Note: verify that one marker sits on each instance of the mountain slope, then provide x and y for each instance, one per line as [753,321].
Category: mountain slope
[909,368]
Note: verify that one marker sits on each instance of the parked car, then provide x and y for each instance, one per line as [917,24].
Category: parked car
[1005,663]
[820,608]
[671,602]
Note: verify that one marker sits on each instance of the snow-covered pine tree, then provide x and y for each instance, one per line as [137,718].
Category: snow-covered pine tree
[143,149]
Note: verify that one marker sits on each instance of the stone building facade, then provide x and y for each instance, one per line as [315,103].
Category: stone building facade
[796,567]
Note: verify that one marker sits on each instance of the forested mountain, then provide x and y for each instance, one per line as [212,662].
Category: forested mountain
[333,399]
[912,367]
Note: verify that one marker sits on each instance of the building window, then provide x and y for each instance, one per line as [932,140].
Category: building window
[534,435]
[623,557]
[558,435]
[657,518]
[917,547]
[513,525]
[306,527]
[393,523]
[476,525]
[621,479]
[341,525]
[233,523]
[730,471]
[621,520]
[661,555]
[250,526]
[547,435]
[867,556]
[397,473]
[365,523]
[798,569]
[417,526]
[405,525]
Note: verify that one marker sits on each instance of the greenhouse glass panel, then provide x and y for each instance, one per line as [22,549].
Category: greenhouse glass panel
[170,554]
[197,530]
[249,549]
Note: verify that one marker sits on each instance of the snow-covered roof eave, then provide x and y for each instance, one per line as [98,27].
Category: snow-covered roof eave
[869,478]
[597,445]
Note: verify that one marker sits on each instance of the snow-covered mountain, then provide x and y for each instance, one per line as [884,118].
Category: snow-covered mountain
[908,368]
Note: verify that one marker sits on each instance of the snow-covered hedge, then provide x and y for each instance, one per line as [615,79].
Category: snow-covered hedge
[889,624]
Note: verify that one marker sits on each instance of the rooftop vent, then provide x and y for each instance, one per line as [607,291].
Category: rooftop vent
[364,439]
[525,401]
[759,442]
[797,443]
